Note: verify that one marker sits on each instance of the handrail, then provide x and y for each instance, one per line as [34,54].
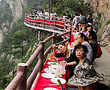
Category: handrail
[31,78]
[47,50]
[48,38]
[60,23]
[34,55]
[57,24]
[20,82]
[21,76]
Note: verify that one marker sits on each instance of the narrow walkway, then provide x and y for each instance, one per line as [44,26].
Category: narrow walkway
[102,65]
[41,28]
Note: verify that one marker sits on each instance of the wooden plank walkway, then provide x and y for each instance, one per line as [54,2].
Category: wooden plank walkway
[44,29]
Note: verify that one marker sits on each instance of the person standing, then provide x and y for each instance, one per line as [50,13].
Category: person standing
[89,19]
[76,21]
[82,19]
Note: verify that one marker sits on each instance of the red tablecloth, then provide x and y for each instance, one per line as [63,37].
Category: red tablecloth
[44,82]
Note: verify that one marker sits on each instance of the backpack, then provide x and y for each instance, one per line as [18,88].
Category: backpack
[99,51]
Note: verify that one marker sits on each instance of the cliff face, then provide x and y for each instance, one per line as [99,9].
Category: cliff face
[11,11]
[102,11]
[16,7]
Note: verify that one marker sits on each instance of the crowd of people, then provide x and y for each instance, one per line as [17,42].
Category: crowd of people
[80,52]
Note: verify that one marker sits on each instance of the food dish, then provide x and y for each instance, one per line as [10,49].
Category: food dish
[54,80]
[53,66]
[50,88]
[46,70]
[50,70]
[48,75]
[53,63]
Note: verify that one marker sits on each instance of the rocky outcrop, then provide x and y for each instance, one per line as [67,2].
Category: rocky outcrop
[17,7]
[102,12]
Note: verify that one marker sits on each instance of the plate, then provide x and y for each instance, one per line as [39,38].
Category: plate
[46,70]
[53,66]
[50,88]
[50,70]
[54,80]
[48,75]
[52,63]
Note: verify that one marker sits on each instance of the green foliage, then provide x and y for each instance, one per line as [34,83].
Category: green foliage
[5,12]
[71,7]
[18,40]
[5,67]
[100,20]
[16,43]
[108,22]
[19,43]
[33,4]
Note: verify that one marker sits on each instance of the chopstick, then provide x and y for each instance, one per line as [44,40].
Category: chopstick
[60,83]
[52,84]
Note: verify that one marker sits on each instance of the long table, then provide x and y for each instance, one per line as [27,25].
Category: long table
[50,22]
[43,83]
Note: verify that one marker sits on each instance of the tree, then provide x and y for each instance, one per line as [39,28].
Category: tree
[5,12]
[6,65]
[70,6]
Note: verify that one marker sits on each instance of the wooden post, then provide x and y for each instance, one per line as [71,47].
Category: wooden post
[22,68]
[39,35]
[41,54]
[54,39]
[37,67]
[19,82]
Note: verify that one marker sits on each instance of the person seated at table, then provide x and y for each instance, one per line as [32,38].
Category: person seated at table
[84,41]
[72,61]
[92,32]
[84,31]
[93,44]
[84,76]
[70,45]
[60,51]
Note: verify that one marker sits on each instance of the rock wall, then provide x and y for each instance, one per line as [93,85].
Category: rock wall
[102,8]
[17,7]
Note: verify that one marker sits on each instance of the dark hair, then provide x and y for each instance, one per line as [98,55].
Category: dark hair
[81,46]
[85,27]
[93,35]
[69,15]
[83,36]
[81,13]
[76,14]
[90,26]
